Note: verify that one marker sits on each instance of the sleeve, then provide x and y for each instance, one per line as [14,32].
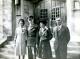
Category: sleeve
[67,35]
[26,36]
[55,32]
[15,36]
[40,32]
[26,33]
[37,35]
[49,34]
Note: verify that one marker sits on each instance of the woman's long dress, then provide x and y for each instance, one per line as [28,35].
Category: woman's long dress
[20,41]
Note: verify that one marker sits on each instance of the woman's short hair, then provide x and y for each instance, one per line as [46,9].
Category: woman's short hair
[22,20]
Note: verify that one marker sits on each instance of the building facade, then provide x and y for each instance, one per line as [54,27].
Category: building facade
[48,10]
[41,9]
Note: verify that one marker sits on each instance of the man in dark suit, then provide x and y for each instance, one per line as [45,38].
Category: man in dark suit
[62,37]
[32,38]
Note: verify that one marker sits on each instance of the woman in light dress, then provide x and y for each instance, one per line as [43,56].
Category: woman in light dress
[20,39]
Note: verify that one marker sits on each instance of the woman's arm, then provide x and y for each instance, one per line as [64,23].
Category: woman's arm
[15,35]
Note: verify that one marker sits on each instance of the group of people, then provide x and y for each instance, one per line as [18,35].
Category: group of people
[37,39]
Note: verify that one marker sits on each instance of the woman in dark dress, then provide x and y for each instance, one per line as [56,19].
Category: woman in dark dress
[44,44]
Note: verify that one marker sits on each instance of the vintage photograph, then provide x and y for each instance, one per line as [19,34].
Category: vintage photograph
[39,29]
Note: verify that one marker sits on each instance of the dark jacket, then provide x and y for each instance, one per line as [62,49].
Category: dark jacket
[62,37]
[61,40]
[44,44]
[32,35]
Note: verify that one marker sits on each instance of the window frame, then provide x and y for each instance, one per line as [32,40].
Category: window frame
[75,8]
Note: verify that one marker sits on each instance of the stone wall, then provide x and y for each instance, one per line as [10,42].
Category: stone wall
[7,18]
[27,11]
[1,20]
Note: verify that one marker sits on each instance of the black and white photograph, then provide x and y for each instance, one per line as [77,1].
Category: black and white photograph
[39,29]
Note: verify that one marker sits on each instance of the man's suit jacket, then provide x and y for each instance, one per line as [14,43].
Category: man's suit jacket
[62,38]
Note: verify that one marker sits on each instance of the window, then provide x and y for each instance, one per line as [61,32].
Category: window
[55,13]
[76,5]
[43,15]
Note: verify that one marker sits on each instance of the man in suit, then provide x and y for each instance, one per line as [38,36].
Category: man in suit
[32,38]
[62,37]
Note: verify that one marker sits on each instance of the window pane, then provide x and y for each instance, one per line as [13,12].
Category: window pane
[77,5]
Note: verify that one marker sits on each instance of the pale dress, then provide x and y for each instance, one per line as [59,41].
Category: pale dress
[20,41]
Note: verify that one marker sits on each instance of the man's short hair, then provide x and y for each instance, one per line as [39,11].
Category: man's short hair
[31,17]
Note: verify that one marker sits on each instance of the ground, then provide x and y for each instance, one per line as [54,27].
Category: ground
[8,51]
